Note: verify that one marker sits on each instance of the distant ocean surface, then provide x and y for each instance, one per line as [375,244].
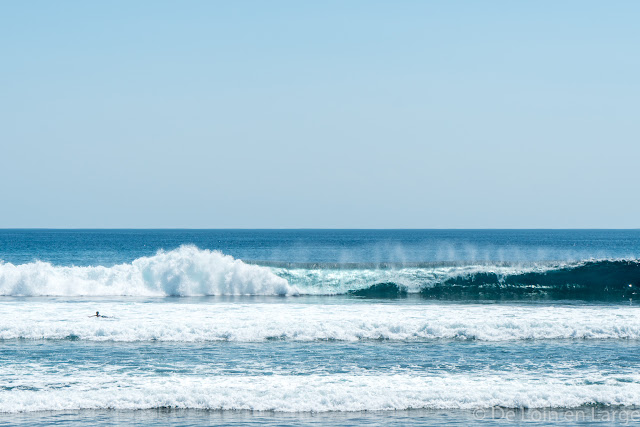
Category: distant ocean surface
[319,327]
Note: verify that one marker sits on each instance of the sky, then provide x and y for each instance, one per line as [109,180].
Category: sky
[326,114]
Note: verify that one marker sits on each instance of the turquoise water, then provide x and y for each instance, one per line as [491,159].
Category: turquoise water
[241,327]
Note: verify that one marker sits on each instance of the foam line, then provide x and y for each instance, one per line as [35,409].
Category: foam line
[291,321]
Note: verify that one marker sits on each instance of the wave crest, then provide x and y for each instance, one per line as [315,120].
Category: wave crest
[190,271]
[185,271]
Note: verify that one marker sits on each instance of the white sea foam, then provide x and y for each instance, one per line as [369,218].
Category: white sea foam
[320,393]
[189,271]
[213,320]
[185,271]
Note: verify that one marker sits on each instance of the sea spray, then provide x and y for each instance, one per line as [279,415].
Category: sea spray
[190,271]
[186,271]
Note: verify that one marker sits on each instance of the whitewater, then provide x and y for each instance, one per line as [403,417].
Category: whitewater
[190,271]
[185,271]
[318,320]
[412,327]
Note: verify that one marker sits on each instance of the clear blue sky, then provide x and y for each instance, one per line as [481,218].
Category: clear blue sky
[354,114]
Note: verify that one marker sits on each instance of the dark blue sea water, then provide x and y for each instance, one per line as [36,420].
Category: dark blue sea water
[108,247]
[319,327]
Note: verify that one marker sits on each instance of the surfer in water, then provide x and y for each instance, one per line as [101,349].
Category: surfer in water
[97,315]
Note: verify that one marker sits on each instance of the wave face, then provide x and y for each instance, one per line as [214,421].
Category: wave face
[606,280]
[186,271]
[189,271]
[592,280]
[381,290]
[596,280]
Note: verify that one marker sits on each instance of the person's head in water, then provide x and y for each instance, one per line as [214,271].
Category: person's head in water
[97,314]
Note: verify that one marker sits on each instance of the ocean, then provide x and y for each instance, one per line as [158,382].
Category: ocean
[319,327]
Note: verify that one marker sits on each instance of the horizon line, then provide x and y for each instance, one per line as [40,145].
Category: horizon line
[303,228]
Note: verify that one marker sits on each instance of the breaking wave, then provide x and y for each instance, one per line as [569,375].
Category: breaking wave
[605,280]
[186,271]
[591,280]
[189,271]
